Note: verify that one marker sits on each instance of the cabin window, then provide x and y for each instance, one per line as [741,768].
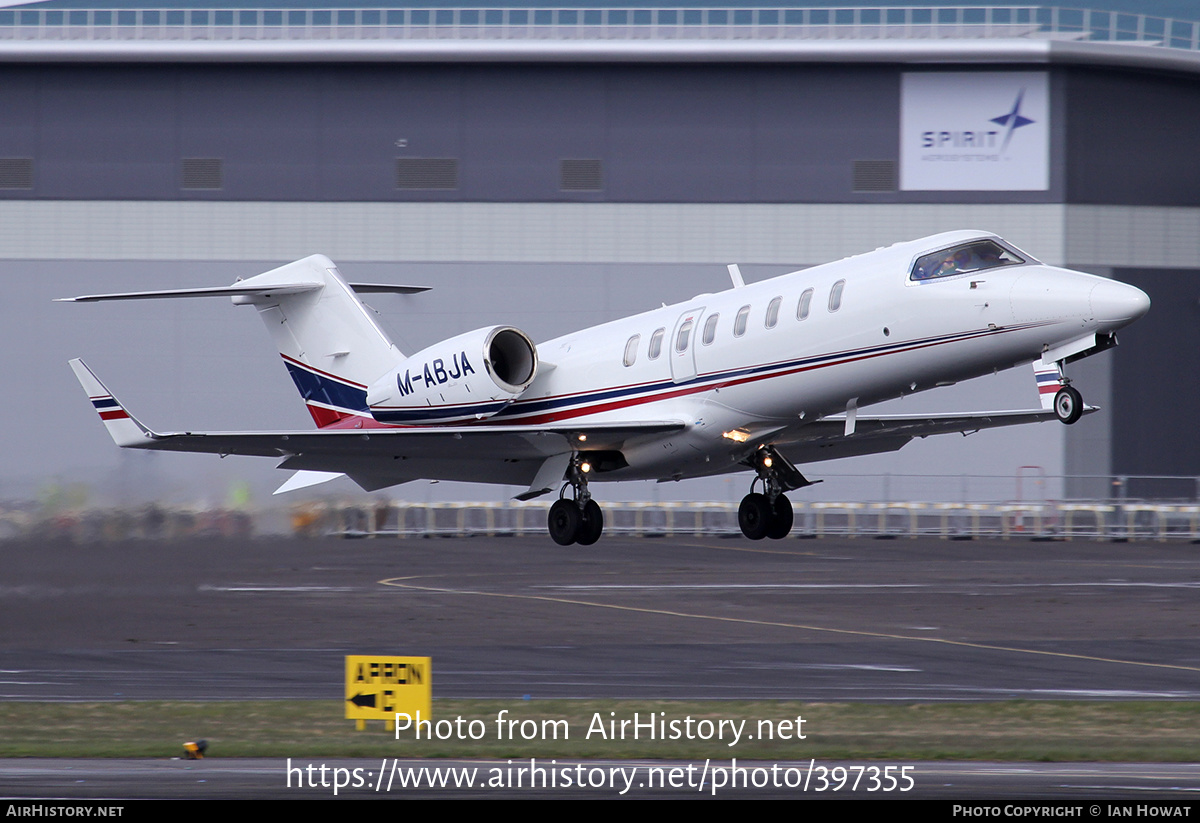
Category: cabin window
[835,295]
[739,322]
[804,305]
[710,329]
[773,312]
[681,339]
[631,349]
[656,344]
[968,257]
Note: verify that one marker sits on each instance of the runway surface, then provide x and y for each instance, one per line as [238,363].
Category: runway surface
[857,619]
[813,620]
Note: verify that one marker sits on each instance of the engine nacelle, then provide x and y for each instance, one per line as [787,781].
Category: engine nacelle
[468,377]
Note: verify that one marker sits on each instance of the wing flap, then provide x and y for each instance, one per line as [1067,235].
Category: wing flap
[458,441]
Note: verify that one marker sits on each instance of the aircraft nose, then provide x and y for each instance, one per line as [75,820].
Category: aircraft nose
[1117,304]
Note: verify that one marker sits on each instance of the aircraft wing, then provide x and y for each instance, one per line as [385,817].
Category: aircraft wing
[827,439]
[377,458]
[535,456]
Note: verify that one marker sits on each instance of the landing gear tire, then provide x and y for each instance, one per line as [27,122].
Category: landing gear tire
[1068,404]
[781,518]
[591,525]
[754,516]
[564,522]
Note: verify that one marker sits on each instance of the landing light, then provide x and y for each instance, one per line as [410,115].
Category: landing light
[585,467]
[737,435]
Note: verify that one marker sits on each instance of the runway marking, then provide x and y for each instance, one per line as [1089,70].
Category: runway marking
[755,550]
[1148,585]
[399,583]
[707,586]
[1162,564]
[207,588]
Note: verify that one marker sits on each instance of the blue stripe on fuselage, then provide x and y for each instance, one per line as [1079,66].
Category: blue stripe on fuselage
[322,389]
[525,407]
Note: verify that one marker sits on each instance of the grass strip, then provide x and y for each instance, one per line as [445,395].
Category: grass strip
[1012,731]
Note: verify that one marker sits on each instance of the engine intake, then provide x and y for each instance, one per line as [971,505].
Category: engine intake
[469,377]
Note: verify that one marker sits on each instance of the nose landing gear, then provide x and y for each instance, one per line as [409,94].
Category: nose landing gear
[578,519]
[1068,404]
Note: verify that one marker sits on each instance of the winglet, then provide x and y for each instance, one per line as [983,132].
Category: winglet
[124,429]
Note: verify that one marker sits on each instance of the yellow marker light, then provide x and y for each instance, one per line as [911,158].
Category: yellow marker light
[195,749]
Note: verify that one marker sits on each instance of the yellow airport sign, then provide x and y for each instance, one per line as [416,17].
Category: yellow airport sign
[379,686]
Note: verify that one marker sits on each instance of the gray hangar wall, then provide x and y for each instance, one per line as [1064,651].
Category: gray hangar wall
[661,133]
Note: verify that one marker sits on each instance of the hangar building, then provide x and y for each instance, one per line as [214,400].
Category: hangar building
[553,169]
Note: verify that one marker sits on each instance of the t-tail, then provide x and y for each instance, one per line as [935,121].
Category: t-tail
[329,341]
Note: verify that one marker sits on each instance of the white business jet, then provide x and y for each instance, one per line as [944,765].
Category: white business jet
[760,377]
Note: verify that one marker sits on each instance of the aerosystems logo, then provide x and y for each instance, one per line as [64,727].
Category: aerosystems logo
[1013,120]
[985,131]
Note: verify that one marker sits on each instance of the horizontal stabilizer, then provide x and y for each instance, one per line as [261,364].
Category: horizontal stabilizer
[386,288]
[236,290]
[240,290]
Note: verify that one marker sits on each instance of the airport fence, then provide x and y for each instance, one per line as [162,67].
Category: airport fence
[1062,520]
[895,506]
[195,25]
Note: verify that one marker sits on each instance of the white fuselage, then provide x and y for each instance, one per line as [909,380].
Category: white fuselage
[883,336]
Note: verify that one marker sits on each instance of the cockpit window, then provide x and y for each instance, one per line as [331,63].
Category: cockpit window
[976,256]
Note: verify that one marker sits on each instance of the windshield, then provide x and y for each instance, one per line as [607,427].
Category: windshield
[968,257]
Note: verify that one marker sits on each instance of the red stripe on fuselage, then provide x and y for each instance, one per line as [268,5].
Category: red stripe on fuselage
[326,418]
[620,404]
[347,421]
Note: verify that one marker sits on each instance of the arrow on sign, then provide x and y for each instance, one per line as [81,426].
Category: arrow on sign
[363,700]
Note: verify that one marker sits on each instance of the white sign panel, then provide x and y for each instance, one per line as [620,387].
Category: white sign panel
[975,131]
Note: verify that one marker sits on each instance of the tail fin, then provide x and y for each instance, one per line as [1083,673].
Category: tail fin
[330,343]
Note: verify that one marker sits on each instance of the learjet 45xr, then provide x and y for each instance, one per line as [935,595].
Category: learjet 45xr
[760,377]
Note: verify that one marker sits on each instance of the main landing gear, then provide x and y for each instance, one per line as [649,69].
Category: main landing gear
[578,520]
[759,517]
[769,513]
